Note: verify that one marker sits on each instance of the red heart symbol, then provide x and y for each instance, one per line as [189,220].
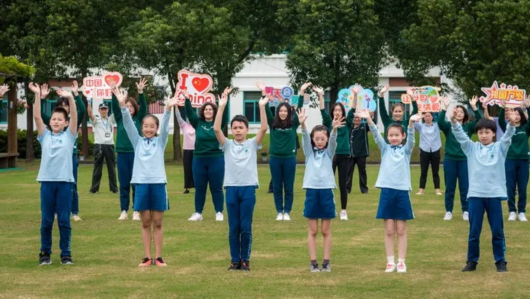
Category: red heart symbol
[200,84]
[112,79]
[88,91]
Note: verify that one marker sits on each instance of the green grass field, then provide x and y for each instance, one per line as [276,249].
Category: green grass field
[107,251]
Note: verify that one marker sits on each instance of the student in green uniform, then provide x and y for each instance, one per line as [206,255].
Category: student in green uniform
[398,111]
[125,149]
[81,111]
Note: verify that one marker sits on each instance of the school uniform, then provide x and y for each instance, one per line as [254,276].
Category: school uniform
[189,146]
[208,161]
[516,166]
[240,183]
[487,189]
[455,161]
[394,177]
[359,151]
[430,144]
[149,173]
[388,119]
[319,180]
[57,184]
[104,151]
[81,111]
[125,149]
[282,160]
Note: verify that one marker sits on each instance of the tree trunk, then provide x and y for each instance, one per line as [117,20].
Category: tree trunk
[333,93]
[30,152]
[177,147]
[12,142]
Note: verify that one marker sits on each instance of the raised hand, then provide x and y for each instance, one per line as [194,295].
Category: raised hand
[45,90]
[445,102]
[318,90]
[264,100]
[453,115]
[62,93]
[416,117]
[304,87]
[260,85]
[302,116]
[511,113]
[473,102]
[3,89]
[141,85]
[121,95]
[356,89]
[228,90]
[185,93]
[363,113]
[383,90]
[410,92]
[75,87]
[527,101]
[223,99]
[171,102]
[35,88]
[338,122]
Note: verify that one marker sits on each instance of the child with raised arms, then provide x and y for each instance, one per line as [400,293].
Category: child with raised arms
[149,174]
[56,173]
[487,185]
[319,148]
[240,179]
[395,207]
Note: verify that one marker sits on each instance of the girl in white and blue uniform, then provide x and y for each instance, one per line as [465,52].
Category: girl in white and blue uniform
[319,182]
[395,207]
[149,174]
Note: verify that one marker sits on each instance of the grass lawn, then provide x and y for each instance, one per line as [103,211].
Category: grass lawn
[106,251]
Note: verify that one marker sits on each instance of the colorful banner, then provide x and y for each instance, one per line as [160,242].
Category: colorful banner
[427,98]
[511,95]
[197,85]
[280,95]
[98,87]
[365,98]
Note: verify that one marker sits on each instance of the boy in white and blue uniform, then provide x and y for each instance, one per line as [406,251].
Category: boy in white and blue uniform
[240,180]
[487,186]
[56,174]
[149,174]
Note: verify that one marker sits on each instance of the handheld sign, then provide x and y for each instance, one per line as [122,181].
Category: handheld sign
[365,98]
[511,95]
[280,95]
[427,98]
[198,87]
[98,87]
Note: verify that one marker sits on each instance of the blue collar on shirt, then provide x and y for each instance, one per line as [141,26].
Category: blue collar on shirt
[318,151]
[148,139]
[394,147]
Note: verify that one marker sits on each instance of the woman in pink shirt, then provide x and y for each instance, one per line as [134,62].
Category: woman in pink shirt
[189,147]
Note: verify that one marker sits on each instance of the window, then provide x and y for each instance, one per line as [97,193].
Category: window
[251,106]
[3,110]
[48,105]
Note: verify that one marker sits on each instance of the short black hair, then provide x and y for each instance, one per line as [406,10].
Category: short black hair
[487,124]
[152,116]
[60,110]
[319,128]
[332,110]
[201,110]
[240,118]
[62,101]
[397,126]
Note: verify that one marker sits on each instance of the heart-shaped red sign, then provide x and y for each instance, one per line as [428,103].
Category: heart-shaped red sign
[109,79]
[200,84]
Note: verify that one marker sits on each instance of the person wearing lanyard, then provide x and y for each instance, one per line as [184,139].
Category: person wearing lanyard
[430,144]
[103,128]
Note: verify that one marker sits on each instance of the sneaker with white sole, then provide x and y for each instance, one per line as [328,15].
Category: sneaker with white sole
[123,215]
[522,217]
[512,216]
[219,216]
[448,216]
[286,217]
[401,268]
[343,215]
[76,217]
[390,268]
[136,216]
[465,216]
[195,217]
[279,217]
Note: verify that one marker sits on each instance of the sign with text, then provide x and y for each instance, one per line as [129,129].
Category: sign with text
[198,87]
[512,96]
[98,87]
[280,95]
[427,98]
[365,98]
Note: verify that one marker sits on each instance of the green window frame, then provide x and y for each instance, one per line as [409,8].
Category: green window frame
[4,111]
[251,106]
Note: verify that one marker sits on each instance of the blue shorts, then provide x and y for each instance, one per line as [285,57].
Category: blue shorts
[319,204]
[394,204]
[151,197]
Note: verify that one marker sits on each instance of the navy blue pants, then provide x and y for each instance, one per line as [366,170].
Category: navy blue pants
[516,178]
[282,172]
[240,202]
[75,199]
[56,197]
[493,209]
[453,170]
[208,171]
[125,170]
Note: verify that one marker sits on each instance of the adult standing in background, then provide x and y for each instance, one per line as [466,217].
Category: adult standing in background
[430,144]
[189,146]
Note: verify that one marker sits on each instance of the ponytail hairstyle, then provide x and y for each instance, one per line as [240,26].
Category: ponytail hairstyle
[319,128]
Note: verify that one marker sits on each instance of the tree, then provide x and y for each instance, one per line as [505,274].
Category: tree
[335,44]
[473,42]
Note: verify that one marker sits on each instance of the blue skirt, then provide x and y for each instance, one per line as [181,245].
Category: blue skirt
[151,197]
[319,204]
[394,204]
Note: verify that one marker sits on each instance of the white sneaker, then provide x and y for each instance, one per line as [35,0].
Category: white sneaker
[123,215]
[448,216]
[136,216]
[390,268]
[219,216]
[465,216]
[55,216]
[286,217]
[343,215]
[279,217]
[522,217]
[401,268]
[512,216]
[76,217]
[195,217]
